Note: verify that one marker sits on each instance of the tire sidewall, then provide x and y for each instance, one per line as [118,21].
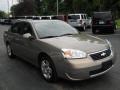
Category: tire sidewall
[12,55]
[94,31]
[54,74]
[84,27]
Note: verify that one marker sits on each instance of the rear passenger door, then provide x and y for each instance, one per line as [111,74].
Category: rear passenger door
[16,38]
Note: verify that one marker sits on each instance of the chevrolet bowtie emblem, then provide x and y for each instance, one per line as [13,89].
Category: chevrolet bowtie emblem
[103,54]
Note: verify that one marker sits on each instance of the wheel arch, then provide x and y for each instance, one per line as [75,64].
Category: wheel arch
[43,54]
[52,62]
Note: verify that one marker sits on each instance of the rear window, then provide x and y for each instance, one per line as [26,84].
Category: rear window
[54,18]
[104,15]
[36,18]
[29,17]
[73,17]
[45,18]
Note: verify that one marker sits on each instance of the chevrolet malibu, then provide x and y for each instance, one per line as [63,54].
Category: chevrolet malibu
[59,50]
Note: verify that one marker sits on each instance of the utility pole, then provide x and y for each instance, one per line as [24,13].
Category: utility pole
[8,7]
[57,7]
[13,10]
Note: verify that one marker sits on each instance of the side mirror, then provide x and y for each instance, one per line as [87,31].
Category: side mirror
[28,36]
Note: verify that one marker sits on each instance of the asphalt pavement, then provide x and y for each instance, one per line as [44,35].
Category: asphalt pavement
[16,74]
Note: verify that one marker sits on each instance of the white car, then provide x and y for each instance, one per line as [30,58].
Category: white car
[89,21]
[78,20]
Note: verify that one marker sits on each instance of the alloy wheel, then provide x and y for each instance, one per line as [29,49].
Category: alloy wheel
[46,69]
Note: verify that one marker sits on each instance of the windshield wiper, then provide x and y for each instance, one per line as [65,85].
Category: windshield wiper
[48,37]
[67,34]
[57,36]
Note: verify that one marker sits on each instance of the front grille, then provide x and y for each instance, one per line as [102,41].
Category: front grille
[101,55]
[105,66]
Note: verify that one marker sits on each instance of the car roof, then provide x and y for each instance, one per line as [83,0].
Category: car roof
[103,12]
[78,14]
[39,21]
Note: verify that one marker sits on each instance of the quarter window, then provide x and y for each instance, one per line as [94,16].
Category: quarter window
[82,16]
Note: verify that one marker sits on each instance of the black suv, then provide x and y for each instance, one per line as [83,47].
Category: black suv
[103,21]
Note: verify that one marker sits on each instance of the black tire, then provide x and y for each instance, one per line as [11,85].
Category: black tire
[94,31]
[112,31]
[9,51]
[84,27]
[50,69]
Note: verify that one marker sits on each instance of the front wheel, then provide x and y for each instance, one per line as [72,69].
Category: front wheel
[48,70]
[9,51]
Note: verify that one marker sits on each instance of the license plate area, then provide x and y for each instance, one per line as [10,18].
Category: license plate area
[101,22]
[105,66]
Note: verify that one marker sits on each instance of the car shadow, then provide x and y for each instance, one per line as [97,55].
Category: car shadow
[93,82]
[63,83]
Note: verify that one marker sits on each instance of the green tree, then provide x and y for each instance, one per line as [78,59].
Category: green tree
[48,7]
[26,7]
[2,14]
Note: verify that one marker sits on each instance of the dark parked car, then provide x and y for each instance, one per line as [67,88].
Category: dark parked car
[103,21]
[59,50]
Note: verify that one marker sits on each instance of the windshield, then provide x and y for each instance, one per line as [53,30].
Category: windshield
[104,15]
[53,28]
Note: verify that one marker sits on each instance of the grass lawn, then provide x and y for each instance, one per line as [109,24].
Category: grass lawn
[118,23]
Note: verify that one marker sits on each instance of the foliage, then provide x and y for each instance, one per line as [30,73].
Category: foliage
[118,23]
[3,14]
[48,7]
[25,8]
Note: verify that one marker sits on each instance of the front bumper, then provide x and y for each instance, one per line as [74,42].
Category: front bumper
[87,73]
[87,68]
[92,76]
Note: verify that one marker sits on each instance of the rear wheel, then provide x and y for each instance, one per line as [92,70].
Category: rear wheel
[113,31]
[84,27]
[47,69]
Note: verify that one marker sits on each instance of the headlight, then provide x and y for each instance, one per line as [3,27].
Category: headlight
[71,53]
[109,43]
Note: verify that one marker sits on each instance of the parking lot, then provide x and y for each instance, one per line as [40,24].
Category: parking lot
[16,74]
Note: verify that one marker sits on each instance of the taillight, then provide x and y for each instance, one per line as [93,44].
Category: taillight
[110,22]
[93,21]
[80,21]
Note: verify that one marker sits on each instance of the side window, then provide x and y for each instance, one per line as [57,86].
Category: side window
[82,16]
[54,18]
[15,28]
[85,16]
[27,28]
[69,17]
[45,18]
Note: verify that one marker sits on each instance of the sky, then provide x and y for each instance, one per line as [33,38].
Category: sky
[4,4]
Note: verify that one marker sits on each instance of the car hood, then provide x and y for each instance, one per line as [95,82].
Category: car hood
[83,42]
